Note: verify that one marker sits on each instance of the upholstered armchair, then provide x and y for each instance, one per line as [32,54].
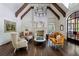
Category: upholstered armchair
[18,42]
[28,35]
[57,39]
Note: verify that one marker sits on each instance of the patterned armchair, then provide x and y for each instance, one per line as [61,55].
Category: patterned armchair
[57,39]
[27,35]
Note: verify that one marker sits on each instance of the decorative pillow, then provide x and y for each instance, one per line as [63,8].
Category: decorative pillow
[58,37]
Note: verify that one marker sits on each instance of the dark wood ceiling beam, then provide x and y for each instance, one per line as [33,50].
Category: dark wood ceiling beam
[53,12]
[59,9]
[26,12]
[20,9]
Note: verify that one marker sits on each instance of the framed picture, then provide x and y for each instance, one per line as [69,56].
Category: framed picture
[61,27]
[9,26]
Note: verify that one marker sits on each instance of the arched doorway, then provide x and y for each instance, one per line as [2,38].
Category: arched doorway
[73,27]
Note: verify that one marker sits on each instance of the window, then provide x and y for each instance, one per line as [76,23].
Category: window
[73,25]
[51,28]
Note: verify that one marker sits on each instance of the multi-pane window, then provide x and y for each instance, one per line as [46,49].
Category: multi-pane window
[73,25]
[51,28]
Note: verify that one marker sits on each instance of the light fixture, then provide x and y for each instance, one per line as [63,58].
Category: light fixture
[40,10]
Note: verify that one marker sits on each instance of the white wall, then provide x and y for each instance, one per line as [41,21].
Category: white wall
[27,20]
[63,22]
[7,14]
[52,19]
[72,5]
[73,8]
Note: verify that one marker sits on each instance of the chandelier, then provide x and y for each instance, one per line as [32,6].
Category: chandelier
[40,11]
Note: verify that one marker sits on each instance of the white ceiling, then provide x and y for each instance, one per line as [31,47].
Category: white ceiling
[13,6]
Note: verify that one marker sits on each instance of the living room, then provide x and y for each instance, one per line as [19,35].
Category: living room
[29,25]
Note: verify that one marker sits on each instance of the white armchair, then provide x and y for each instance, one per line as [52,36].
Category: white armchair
[18,42]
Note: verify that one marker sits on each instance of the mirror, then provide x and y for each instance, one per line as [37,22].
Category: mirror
[61,27]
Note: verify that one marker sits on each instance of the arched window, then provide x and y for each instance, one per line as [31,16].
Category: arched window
[73,26]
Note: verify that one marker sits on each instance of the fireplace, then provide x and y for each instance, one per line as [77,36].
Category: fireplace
[40,32]
[40,36]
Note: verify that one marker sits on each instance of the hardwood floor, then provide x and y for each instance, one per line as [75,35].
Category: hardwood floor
[39,50]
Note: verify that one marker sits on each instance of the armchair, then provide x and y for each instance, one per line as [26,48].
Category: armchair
[18,42]
[57,39]
[28,35]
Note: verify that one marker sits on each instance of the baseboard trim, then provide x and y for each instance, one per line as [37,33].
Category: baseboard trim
[74,41]
[4,42]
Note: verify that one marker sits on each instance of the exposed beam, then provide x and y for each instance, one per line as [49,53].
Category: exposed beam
[26,12]
[53,12]
[20,9]
[59,9]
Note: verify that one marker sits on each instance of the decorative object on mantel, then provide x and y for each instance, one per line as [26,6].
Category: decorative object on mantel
[9,26]
[61,27]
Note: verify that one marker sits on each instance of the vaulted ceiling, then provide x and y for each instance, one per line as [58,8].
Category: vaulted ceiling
[53,12]
[13,6]
[21,9]
[59,8]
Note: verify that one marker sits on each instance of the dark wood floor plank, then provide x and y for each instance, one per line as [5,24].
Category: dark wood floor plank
[39,50]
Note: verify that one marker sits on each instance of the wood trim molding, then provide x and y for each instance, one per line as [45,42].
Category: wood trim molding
[59,9]
[53,12]
[20,9]
[27,12]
